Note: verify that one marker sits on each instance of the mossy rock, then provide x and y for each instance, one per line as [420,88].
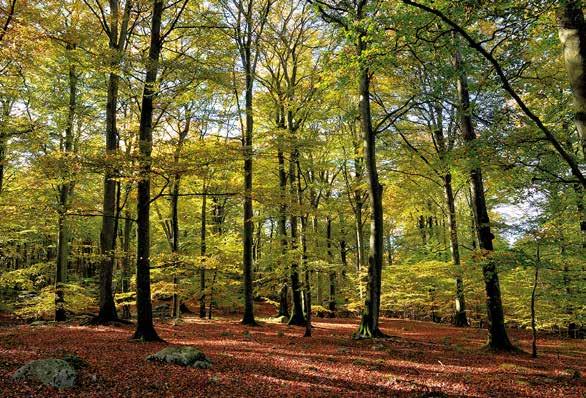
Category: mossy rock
[182,355]
[50,372]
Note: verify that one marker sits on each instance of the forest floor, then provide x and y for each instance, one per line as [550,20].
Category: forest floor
[422,359]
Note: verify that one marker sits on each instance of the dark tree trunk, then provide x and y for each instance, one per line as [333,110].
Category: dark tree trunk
[65,192]
[202,252]
[332,273]
[308,311]
[297,317]
[369,324]
[118,33]
[176,302]
[460,318]
[497,333]
[3,143]
[533,323]
[218,219]
[359,208]
[145,329]
[126,261]
[248,223]
[283,302]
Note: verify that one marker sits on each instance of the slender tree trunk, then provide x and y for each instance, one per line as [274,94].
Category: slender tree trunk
[460,318]
[533,323]
[248,225]
[62,259]
[202,252]
[176,302]
[308,311]
[332,273]
[283,302]
[145,329]
[65,191]
[117,33]
[126,261]
[369,324]
[497,333]
[218,219]
[297,317]
[3,142]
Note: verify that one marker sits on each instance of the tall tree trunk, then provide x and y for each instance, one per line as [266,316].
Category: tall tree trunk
[369,324]
[176,304]
[3,143]
[297,317]
[202,253]
[572,33]
[533,323]
[117,39]
[318,273]
[497,333]
[65,191]
[126,261]
[248,223]
[359,208]
[460,318]
[332,273]
[218,219]
[145,329]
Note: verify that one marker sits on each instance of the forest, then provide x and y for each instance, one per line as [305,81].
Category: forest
[325,198]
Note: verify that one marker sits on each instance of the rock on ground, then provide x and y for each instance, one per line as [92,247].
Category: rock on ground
[182,355]
[51,372]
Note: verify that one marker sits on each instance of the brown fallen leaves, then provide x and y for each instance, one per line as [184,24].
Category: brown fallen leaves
[421,360]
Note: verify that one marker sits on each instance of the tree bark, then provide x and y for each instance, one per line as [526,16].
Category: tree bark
[202,253]
[65,192]
[533,323]
[297,317]
[572,34]
[126,261]
[332,273]
[145,329]
[460,318]
[497,333]
[118,33]
[248,224]
[369,325]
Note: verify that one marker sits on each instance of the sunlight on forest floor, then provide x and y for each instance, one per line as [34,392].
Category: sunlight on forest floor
[421,359]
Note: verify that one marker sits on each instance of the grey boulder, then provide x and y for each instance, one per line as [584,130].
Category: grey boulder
[182,355]
[50,372]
